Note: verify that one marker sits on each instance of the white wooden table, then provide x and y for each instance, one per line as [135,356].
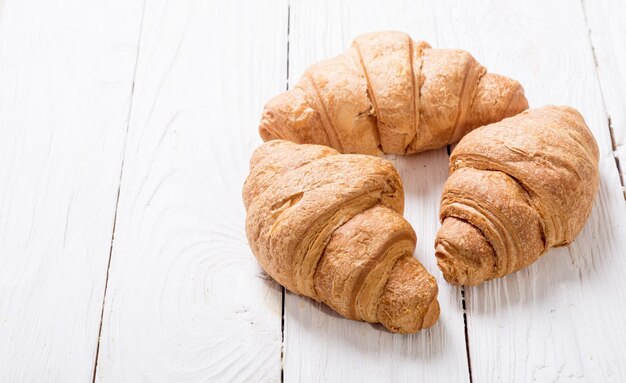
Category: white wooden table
[126,127]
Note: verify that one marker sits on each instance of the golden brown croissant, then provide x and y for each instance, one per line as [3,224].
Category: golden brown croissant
[330,227]
[392,94]
[516,188]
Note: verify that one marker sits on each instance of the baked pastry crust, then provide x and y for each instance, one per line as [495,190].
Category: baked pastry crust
[388,93]
[329,226]
[516,188]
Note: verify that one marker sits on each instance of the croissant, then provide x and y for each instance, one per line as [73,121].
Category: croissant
[516,188]
[388,93]
[330,227]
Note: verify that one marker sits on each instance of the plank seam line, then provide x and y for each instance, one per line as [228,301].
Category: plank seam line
[467,346]
[283,293]
[614,146]
[606,111]
[119,187]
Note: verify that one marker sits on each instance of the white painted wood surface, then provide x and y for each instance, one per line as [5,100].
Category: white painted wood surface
[605,20]
[66,73]
[185,299]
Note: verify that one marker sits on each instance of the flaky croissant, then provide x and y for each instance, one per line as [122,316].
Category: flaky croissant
[330,227]
[516,188]
[388,93]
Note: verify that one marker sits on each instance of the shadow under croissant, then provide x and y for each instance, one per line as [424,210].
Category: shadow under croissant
[543,279]
[311,315]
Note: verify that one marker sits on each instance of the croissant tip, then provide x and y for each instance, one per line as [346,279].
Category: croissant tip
[266,130]
[449,268]
[432,314]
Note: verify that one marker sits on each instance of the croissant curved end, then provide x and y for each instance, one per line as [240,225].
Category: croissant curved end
[518,101]
[497,97]
[290,116]
[432,314]
[270,126]
[266,130]
[463,253]
[409,303]
[451,273]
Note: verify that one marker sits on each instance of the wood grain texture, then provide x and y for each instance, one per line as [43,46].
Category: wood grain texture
[556,320]
[605,20]
[186,299]
[66,72]
[319,344]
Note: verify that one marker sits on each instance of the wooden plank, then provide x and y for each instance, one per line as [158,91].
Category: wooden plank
[186,299]
[66,73]
[558,320]
[319,344]
[605,20]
